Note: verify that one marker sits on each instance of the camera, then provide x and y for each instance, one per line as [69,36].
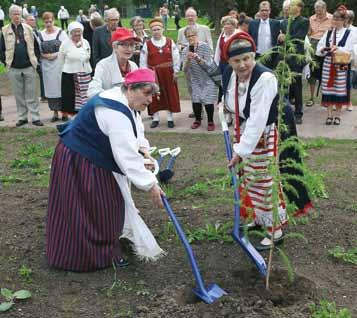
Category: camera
[191,48]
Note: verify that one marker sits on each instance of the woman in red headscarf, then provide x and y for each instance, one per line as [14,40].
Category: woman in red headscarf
[161,55]
[89,199]
[251,94]
[335,82]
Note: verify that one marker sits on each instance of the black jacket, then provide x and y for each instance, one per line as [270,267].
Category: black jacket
[101,46]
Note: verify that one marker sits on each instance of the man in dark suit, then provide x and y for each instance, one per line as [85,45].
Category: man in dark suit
[265,32]
[101,45]
[298,30]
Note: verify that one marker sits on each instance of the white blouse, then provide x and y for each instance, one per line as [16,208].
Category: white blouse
[160,43]
[124,145]
[262,96]
[339,35]
[74,59]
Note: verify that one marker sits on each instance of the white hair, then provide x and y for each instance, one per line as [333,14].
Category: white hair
[95,15]
[13,8]
[286,4]
[112,12]
[320,4]
[191,9]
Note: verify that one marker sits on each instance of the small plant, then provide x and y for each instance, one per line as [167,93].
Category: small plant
[212,232]
[198,189]
[25,272]
[328,310]
[168,231]
[31,162]
[316,143]
[349,256]
[10,298]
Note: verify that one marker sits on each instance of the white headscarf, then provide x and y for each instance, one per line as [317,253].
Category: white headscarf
[74,25]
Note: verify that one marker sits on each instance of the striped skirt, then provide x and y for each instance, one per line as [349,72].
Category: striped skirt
[81,83]
[85,214]
[339,93]
[256,191]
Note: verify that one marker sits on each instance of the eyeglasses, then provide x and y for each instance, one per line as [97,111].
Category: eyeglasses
[126,44]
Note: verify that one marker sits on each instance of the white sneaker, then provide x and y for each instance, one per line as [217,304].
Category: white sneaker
[350,108]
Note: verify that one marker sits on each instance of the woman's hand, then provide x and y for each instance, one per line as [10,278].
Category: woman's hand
[175,76]
[234,161]
[155,194]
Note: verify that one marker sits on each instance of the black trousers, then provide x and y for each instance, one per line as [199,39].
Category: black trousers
[64,22]
[295,92]
[197,109]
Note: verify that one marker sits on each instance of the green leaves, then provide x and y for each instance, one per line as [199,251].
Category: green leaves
[7,293]
[22,294]
[6,306]
[10,297]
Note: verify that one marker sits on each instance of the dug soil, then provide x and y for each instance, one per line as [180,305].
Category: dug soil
[164,288]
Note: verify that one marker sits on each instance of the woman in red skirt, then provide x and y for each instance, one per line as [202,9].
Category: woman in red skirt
[162,55]
[88,195]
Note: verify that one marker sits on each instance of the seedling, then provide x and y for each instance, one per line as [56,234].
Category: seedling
[25,272]
[10,298]
[328,310]
[348,256]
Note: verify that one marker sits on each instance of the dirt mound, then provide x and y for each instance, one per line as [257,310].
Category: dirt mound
[247,297]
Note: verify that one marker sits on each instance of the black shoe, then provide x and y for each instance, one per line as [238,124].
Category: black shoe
[298,121]
[64,118]
[191,115]
[1,118]
[37,123]
[121,263]
[170,124]
[154,124]
[22,122]
[54,119]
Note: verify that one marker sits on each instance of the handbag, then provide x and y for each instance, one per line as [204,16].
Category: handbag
[341,58]
[213,72]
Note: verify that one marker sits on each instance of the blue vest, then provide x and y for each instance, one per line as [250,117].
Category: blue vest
[257,72]
[83,135]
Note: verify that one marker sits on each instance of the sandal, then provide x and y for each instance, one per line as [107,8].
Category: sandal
[337,121]
[310,103]
[329,121]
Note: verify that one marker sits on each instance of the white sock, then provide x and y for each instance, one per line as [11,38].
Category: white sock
[169,116]
[156,117]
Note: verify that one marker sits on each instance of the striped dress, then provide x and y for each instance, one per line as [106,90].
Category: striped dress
[256,191]
[204,90]
[85,214]
[335,82]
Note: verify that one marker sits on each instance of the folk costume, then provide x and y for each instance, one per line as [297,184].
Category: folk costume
[50,44]
[335,82]
[163,57]
[255,105]
[76,70]
[90,204]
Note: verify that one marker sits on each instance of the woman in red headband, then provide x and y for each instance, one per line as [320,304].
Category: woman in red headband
[335,83]
[251,93]
[89,202]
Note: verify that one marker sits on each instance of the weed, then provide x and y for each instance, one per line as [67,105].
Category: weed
[31,162]
[6,180]
[25,272]
[168,231]
[212,232]
[316,143]
[353,207]
[198,189]
[10,298]
[349,256]
[328,310]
